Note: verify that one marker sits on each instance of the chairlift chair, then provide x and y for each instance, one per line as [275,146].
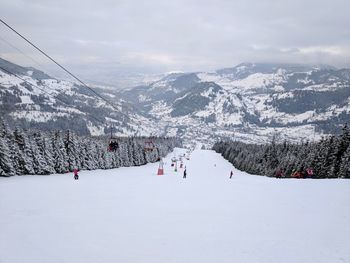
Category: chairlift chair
[113,144]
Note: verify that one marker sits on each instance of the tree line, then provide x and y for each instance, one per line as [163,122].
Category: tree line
[24,152]
[328,158]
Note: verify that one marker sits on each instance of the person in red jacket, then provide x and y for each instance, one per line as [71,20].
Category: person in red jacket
[309,172]
[297,174]
[76,176]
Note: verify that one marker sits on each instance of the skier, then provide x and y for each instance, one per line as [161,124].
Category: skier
[231,175]
[185,173]
[279,173]
[303,174]
[310,172]
[76,176]
[297,174]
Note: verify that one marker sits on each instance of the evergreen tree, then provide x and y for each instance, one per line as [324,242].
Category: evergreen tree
[6,167]
[71,146]
[59,154]
[328,158]
[37,153]
[344,170]
[23,153]
[45,148]
[6,163]
[340,147]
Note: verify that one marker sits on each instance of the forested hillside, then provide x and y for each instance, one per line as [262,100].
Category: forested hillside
[35,152]
[328,158]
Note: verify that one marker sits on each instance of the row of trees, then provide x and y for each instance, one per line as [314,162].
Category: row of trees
[329,157]
[34,152]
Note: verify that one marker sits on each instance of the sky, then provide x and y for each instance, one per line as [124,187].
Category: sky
[107,40]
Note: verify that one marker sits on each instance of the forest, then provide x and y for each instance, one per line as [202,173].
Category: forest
[24,152]
[328,158]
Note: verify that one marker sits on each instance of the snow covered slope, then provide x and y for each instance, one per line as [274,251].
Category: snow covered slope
[131,215]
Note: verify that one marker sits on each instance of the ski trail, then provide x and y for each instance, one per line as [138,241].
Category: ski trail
[132,215]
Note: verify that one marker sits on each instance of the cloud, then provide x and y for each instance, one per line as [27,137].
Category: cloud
[188,35]
[329,50]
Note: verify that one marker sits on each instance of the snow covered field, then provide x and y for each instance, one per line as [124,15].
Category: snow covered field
[132,215]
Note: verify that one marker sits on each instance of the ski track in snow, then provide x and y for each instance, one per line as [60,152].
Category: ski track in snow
[133,215]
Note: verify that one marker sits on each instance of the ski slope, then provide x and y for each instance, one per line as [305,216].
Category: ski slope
[133,215]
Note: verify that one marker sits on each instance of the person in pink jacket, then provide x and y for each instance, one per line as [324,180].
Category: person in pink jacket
[76,176]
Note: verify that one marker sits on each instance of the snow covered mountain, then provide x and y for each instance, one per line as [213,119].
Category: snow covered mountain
[249,102]
[32,99]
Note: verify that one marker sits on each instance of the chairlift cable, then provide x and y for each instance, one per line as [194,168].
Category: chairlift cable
[62,67]
[27,56]
[43,90]
[58,64]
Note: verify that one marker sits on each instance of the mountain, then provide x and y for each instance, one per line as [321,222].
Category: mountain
[32,99]
[252,102]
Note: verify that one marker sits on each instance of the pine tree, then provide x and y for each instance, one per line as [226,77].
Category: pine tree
[344,170]
[39,161]
[38,153]
[23,153]
[340,146]
[6,163]
[45,148]
[71,145]
[59,154]
[6,167]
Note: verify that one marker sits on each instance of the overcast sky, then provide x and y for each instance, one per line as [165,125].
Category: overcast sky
[111,37]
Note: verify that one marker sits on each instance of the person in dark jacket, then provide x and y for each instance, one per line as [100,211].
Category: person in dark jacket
[279,173]
[185,173]
[231,175]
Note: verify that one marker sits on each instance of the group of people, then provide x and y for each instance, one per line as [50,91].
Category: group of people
[308,173]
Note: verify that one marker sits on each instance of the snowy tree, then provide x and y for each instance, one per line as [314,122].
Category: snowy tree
[59,154]
[6,163]
[344,170]
[23,152]
[45,149]
[328,157]
[71,146]
[6,167]
[23,155]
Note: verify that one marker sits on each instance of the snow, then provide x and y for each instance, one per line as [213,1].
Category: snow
[258,80]
[38,116]
[143,98]
[26,100]
[208,93]
[95,130]
[132,215]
